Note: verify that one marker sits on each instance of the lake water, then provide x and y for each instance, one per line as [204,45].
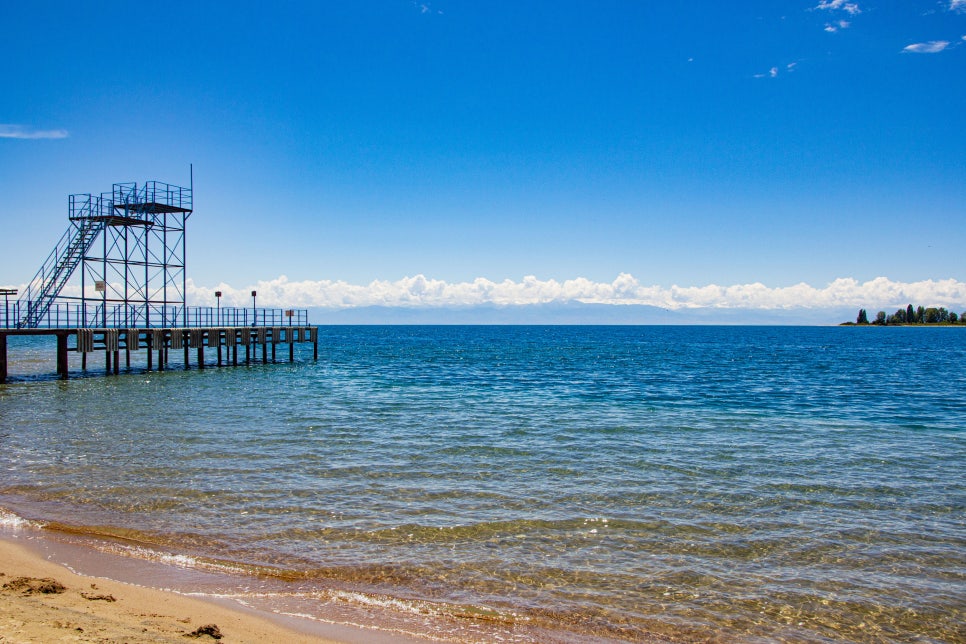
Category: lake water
[531,483]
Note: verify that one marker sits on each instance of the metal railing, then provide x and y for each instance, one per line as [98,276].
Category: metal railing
[132,197]
[67,315]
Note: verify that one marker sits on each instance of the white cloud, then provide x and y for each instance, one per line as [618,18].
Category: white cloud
[832,27]
[423,292]
[931,47]
[957,5]
[771,73]
[12,131]
[425,7]
[852,8]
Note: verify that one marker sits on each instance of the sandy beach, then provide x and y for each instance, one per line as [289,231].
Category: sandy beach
[41,601]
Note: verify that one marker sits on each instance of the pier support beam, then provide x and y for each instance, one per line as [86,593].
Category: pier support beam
[3,358]
[62,366]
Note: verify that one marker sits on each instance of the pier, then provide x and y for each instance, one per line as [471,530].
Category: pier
[222,343]
[116,281]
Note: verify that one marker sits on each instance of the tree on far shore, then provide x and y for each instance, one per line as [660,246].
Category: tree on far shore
[908,315]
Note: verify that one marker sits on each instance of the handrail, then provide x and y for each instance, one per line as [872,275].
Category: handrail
[70,315]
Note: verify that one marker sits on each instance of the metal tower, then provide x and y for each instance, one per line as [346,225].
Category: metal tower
[130,246]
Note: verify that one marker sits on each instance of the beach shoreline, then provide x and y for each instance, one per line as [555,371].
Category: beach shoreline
[59,586]
[45,597]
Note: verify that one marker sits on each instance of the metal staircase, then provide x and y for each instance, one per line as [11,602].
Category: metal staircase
[43,289]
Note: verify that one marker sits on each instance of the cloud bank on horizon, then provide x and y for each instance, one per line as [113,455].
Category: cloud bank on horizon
[422,292]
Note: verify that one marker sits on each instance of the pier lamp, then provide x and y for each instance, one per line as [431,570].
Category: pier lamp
[254,314]
[218,298]
[7,292]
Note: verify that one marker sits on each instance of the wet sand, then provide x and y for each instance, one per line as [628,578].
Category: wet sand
[42,601]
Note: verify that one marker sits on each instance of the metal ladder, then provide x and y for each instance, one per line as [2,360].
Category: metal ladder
[46,285]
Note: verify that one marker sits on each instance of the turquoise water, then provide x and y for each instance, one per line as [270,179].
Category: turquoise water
[733,483]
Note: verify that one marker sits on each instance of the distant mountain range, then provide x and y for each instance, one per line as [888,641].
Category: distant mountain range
[575,313]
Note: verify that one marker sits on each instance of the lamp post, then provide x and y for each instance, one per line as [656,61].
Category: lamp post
[254,314]
[7,292]
[218,298]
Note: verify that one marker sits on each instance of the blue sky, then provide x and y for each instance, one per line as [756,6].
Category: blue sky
[690,145]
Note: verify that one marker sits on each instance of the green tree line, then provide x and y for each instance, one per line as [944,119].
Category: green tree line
[910,315]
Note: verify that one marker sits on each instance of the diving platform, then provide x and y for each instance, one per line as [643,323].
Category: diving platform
[152,207]
[116,283]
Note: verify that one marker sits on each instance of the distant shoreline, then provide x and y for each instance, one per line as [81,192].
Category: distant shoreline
[956,325]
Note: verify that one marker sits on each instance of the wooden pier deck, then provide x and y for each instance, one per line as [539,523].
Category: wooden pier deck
[114,343]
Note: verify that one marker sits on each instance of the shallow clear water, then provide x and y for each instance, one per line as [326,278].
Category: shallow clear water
[698,482]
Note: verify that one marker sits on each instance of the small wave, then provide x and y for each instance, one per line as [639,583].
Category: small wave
[175,559]
[11,521]
[420,607]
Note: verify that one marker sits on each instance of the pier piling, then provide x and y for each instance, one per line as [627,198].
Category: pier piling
[3,359]
[62,364]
